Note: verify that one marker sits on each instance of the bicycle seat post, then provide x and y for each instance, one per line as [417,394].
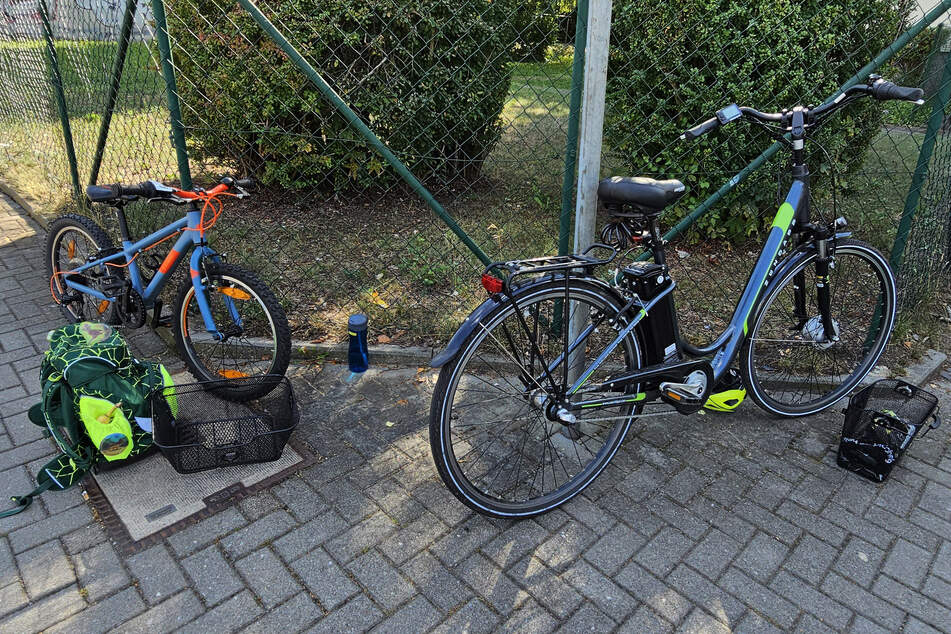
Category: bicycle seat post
[123,225]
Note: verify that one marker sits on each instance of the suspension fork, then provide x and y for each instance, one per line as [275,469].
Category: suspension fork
[822,288]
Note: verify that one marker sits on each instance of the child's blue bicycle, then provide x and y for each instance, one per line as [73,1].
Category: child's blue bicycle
[226,322]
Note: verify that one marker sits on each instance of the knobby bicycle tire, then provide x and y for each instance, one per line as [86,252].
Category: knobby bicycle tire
[261,348]
[58,260]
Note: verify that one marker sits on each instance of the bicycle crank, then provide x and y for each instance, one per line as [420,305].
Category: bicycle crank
[131,308]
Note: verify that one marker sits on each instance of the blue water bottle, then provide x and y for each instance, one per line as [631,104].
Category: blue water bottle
[357,329]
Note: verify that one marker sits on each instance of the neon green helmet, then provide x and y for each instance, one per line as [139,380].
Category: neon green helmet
[731,393]
[725,401]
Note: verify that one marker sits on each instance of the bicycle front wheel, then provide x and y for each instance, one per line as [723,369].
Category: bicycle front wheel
[791,366]
[255,341]
[497,440]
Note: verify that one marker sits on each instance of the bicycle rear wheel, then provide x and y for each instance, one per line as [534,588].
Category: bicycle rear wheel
[790,366]
[70,241]
[496,441]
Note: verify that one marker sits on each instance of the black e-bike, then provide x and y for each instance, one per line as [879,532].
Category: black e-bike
[540,384]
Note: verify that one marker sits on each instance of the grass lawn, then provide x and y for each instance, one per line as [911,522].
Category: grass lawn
[32,151]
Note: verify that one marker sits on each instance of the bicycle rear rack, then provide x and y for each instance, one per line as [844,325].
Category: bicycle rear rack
[548,264]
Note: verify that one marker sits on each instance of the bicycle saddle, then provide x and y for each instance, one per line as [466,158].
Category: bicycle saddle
[647,193]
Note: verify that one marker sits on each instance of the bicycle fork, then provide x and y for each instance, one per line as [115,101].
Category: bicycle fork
[198,276]
[830,332]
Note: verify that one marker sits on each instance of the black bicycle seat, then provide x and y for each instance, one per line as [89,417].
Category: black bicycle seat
[641,192]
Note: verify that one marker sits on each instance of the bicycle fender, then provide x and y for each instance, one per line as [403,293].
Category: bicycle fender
[455,344]
[787,263]
[475,317]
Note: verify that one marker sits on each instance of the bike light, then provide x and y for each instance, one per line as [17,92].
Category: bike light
[491,283]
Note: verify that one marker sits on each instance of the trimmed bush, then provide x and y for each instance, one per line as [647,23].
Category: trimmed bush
[674,64]
[536,28]
[430,77]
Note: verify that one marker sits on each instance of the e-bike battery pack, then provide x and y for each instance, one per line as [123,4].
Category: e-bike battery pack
[648,280]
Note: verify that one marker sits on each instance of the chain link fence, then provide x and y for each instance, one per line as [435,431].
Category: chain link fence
[85,38]
[673,65]
[473,98]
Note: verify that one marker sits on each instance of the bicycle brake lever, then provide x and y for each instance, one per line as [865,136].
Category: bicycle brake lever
[175,200]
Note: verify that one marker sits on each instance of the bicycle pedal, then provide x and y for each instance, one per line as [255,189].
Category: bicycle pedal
[688,397]
[683,404]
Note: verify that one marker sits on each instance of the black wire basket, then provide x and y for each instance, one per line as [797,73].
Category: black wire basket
[197,429]
[880,422]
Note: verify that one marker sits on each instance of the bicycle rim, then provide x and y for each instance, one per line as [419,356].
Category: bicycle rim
[499,448]
[72,246]
[792,368]
[250,351]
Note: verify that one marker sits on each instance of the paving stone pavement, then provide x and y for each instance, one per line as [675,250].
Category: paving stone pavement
[703,524]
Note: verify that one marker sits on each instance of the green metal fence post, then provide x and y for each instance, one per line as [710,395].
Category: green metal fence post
[174,108]
[56,79]
[921,169]
[574,116]
[125,33]
[330,94]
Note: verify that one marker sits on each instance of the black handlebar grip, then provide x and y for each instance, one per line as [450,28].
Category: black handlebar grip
[246,183]
[885,90]
[143,190]
[103,193]
[701,129]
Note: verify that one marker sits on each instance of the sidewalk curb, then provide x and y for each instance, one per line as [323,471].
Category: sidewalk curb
[22,202]
[380,354]
[916,374]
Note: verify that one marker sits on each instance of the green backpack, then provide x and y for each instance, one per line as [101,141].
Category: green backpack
[95,404]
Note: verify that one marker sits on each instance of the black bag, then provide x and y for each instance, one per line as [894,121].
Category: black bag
[880,422]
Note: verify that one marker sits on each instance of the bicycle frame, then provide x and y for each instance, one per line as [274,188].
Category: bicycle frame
[191,238]
[726,347]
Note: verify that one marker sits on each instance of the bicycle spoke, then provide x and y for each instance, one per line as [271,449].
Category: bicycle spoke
[498,430]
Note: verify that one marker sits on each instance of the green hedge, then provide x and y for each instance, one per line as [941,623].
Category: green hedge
[674,64]
[430,77]
[536,28]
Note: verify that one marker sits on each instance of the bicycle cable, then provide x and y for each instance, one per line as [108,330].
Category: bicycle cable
[210,201]
[833,171]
